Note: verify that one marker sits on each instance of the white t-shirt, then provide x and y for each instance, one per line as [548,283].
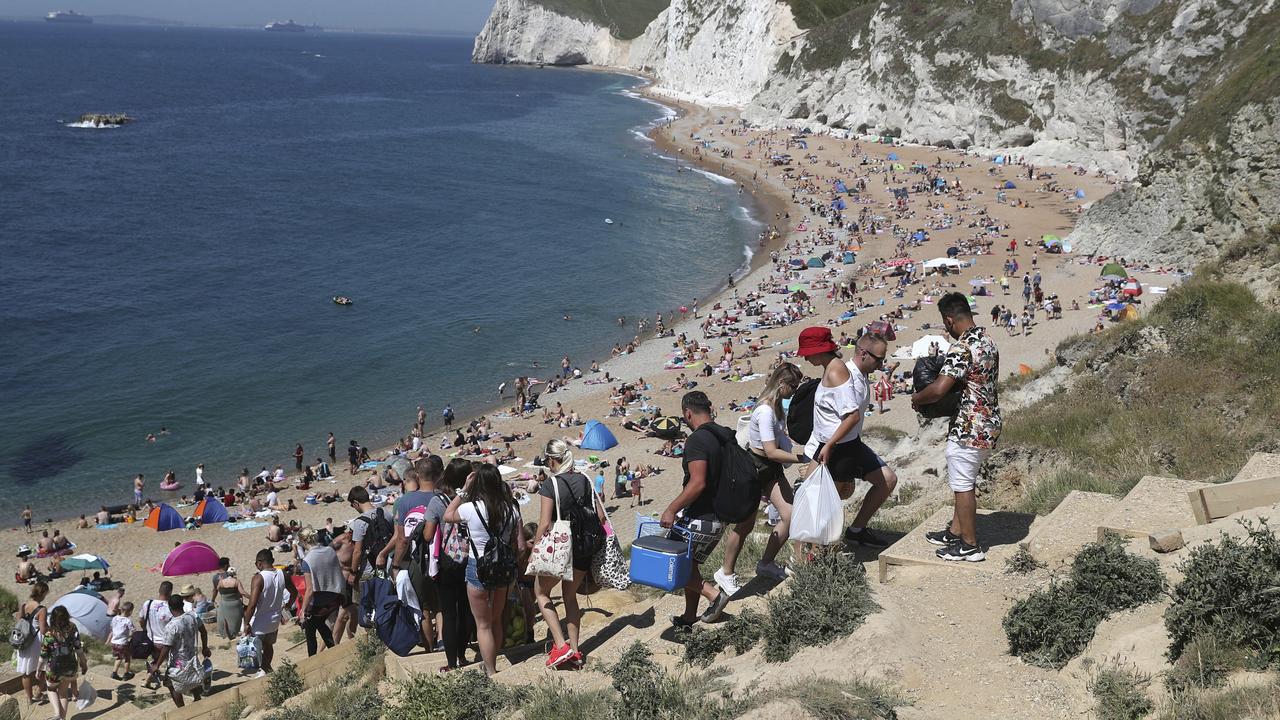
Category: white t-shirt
[406,593]
[121,630]
[765,425]
[271,498]
[830,405]
[470,513]
[155,616]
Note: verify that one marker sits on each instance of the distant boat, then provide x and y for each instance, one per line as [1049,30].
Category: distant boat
[68,16]
[608,221]
[342,300]
[287,26]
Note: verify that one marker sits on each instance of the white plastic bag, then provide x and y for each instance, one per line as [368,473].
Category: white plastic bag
[817,516]
[85,695]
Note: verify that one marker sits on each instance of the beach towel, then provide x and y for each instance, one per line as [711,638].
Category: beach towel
[107,526]
[372,464]
[243,525]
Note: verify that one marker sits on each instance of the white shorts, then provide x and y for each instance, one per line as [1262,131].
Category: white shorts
[963,464]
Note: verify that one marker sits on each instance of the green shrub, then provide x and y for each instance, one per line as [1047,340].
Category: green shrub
[826,599]
[369,655]
[554,701]
[1205,663]
[704,643]
[1117,692]
[235,710]
[647,692]
[284,683]
[1051,626]
[1022,562]
[829,699]
[1234,703]
[1117,579]
[468,695]
[1229,592]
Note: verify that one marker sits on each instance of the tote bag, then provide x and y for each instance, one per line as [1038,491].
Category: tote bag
[817,516]
[609,566]
[552,554]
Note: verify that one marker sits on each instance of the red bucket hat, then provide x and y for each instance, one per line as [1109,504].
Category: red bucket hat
[815,340]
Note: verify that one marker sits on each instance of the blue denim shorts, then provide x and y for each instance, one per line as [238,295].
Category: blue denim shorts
[473,579]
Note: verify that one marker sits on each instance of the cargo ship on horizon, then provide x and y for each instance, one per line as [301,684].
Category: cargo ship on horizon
[68,16]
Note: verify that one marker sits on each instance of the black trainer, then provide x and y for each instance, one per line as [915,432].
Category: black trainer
[866,538]
[713,612]
[942,538]
[962,551]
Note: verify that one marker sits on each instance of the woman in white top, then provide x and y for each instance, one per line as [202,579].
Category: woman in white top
[485,504]
[837,417]
[771,449]
[27,659]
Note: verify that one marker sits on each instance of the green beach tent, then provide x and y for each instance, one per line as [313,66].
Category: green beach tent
[1114,272]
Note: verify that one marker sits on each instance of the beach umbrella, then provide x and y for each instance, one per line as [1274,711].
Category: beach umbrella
[190,558]
[1114,272]
[88,610]
[941,262]
[84,561]
[920,348]
[595,436]
[667,428]
[1131,287]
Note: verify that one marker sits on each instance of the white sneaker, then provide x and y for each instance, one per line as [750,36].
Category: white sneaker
[772,570]
[259,674]
[727,583]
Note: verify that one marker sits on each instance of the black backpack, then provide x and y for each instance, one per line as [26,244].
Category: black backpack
[496,566]
[926,371]
[800,412]
[377,535]
[586,532]
[738,488]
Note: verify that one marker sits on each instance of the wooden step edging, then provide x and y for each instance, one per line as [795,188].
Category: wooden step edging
[1218,501]
[314,671]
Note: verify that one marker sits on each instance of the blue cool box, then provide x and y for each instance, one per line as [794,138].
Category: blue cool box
[660,562]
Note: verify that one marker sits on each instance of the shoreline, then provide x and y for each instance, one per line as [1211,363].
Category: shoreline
[487,408]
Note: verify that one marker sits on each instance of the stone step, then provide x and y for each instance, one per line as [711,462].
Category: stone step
[1060,535]
[1154,504]
[1261,465]
[999,532]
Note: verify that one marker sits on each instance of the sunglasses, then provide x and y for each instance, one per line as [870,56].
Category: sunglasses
[878,358]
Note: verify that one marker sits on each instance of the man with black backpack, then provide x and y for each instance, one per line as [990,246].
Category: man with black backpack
[371,532]
[692,515]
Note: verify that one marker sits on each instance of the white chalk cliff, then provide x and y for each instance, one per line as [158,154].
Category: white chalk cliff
[1094,82]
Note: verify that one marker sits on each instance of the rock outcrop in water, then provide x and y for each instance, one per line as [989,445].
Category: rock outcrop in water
[1173,93]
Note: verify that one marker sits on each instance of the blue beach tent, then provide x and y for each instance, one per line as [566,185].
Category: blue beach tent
[1079,194]
[816,262]
[212,511]
[999,160]
[164,518]
[840,186]
[1008,185]
[839,204]
[597,437]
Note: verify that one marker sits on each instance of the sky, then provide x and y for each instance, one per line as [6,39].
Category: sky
[443,15]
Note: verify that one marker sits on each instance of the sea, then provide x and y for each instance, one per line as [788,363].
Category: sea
[179,272]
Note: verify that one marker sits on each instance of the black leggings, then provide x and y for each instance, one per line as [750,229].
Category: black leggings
[456,612]
[315,625]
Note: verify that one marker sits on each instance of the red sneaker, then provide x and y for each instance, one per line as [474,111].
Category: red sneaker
[576,661]
[559,655]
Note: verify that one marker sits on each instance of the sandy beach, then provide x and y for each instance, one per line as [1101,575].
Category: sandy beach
[135,552]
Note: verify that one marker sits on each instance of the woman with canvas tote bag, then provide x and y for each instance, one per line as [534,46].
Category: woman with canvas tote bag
[564,493]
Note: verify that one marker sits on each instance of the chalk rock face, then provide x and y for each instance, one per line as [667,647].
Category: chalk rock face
[1106,84]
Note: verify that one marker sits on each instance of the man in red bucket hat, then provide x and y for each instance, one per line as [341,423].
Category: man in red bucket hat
[839,404]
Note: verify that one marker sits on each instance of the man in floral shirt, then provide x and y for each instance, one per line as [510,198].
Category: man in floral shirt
[974,362]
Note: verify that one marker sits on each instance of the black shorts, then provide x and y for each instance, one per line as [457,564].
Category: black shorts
[851,460]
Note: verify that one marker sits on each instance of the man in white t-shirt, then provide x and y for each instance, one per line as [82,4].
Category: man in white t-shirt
[154,616]
[868,356]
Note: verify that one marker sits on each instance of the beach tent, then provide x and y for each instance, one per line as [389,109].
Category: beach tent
[1079,194]
[1116,306]
[84,561]
[816,262]
[190,558]
[839,204]
[1114,272]
[920,348]
[1129,313]
[210,511]
[1009,185]
[597,437]
[164,518]
[796,263]
[999,160]
[898,166]
[840,187]
[88,611]
[1050,240]
[1131,287]
[849,257]
[918,236]
[893,156]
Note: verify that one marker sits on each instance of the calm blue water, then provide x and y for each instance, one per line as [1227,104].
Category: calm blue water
[178,271]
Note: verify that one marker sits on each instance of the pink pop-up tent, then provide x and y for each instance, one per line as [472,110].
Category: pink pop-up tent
[190,558]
